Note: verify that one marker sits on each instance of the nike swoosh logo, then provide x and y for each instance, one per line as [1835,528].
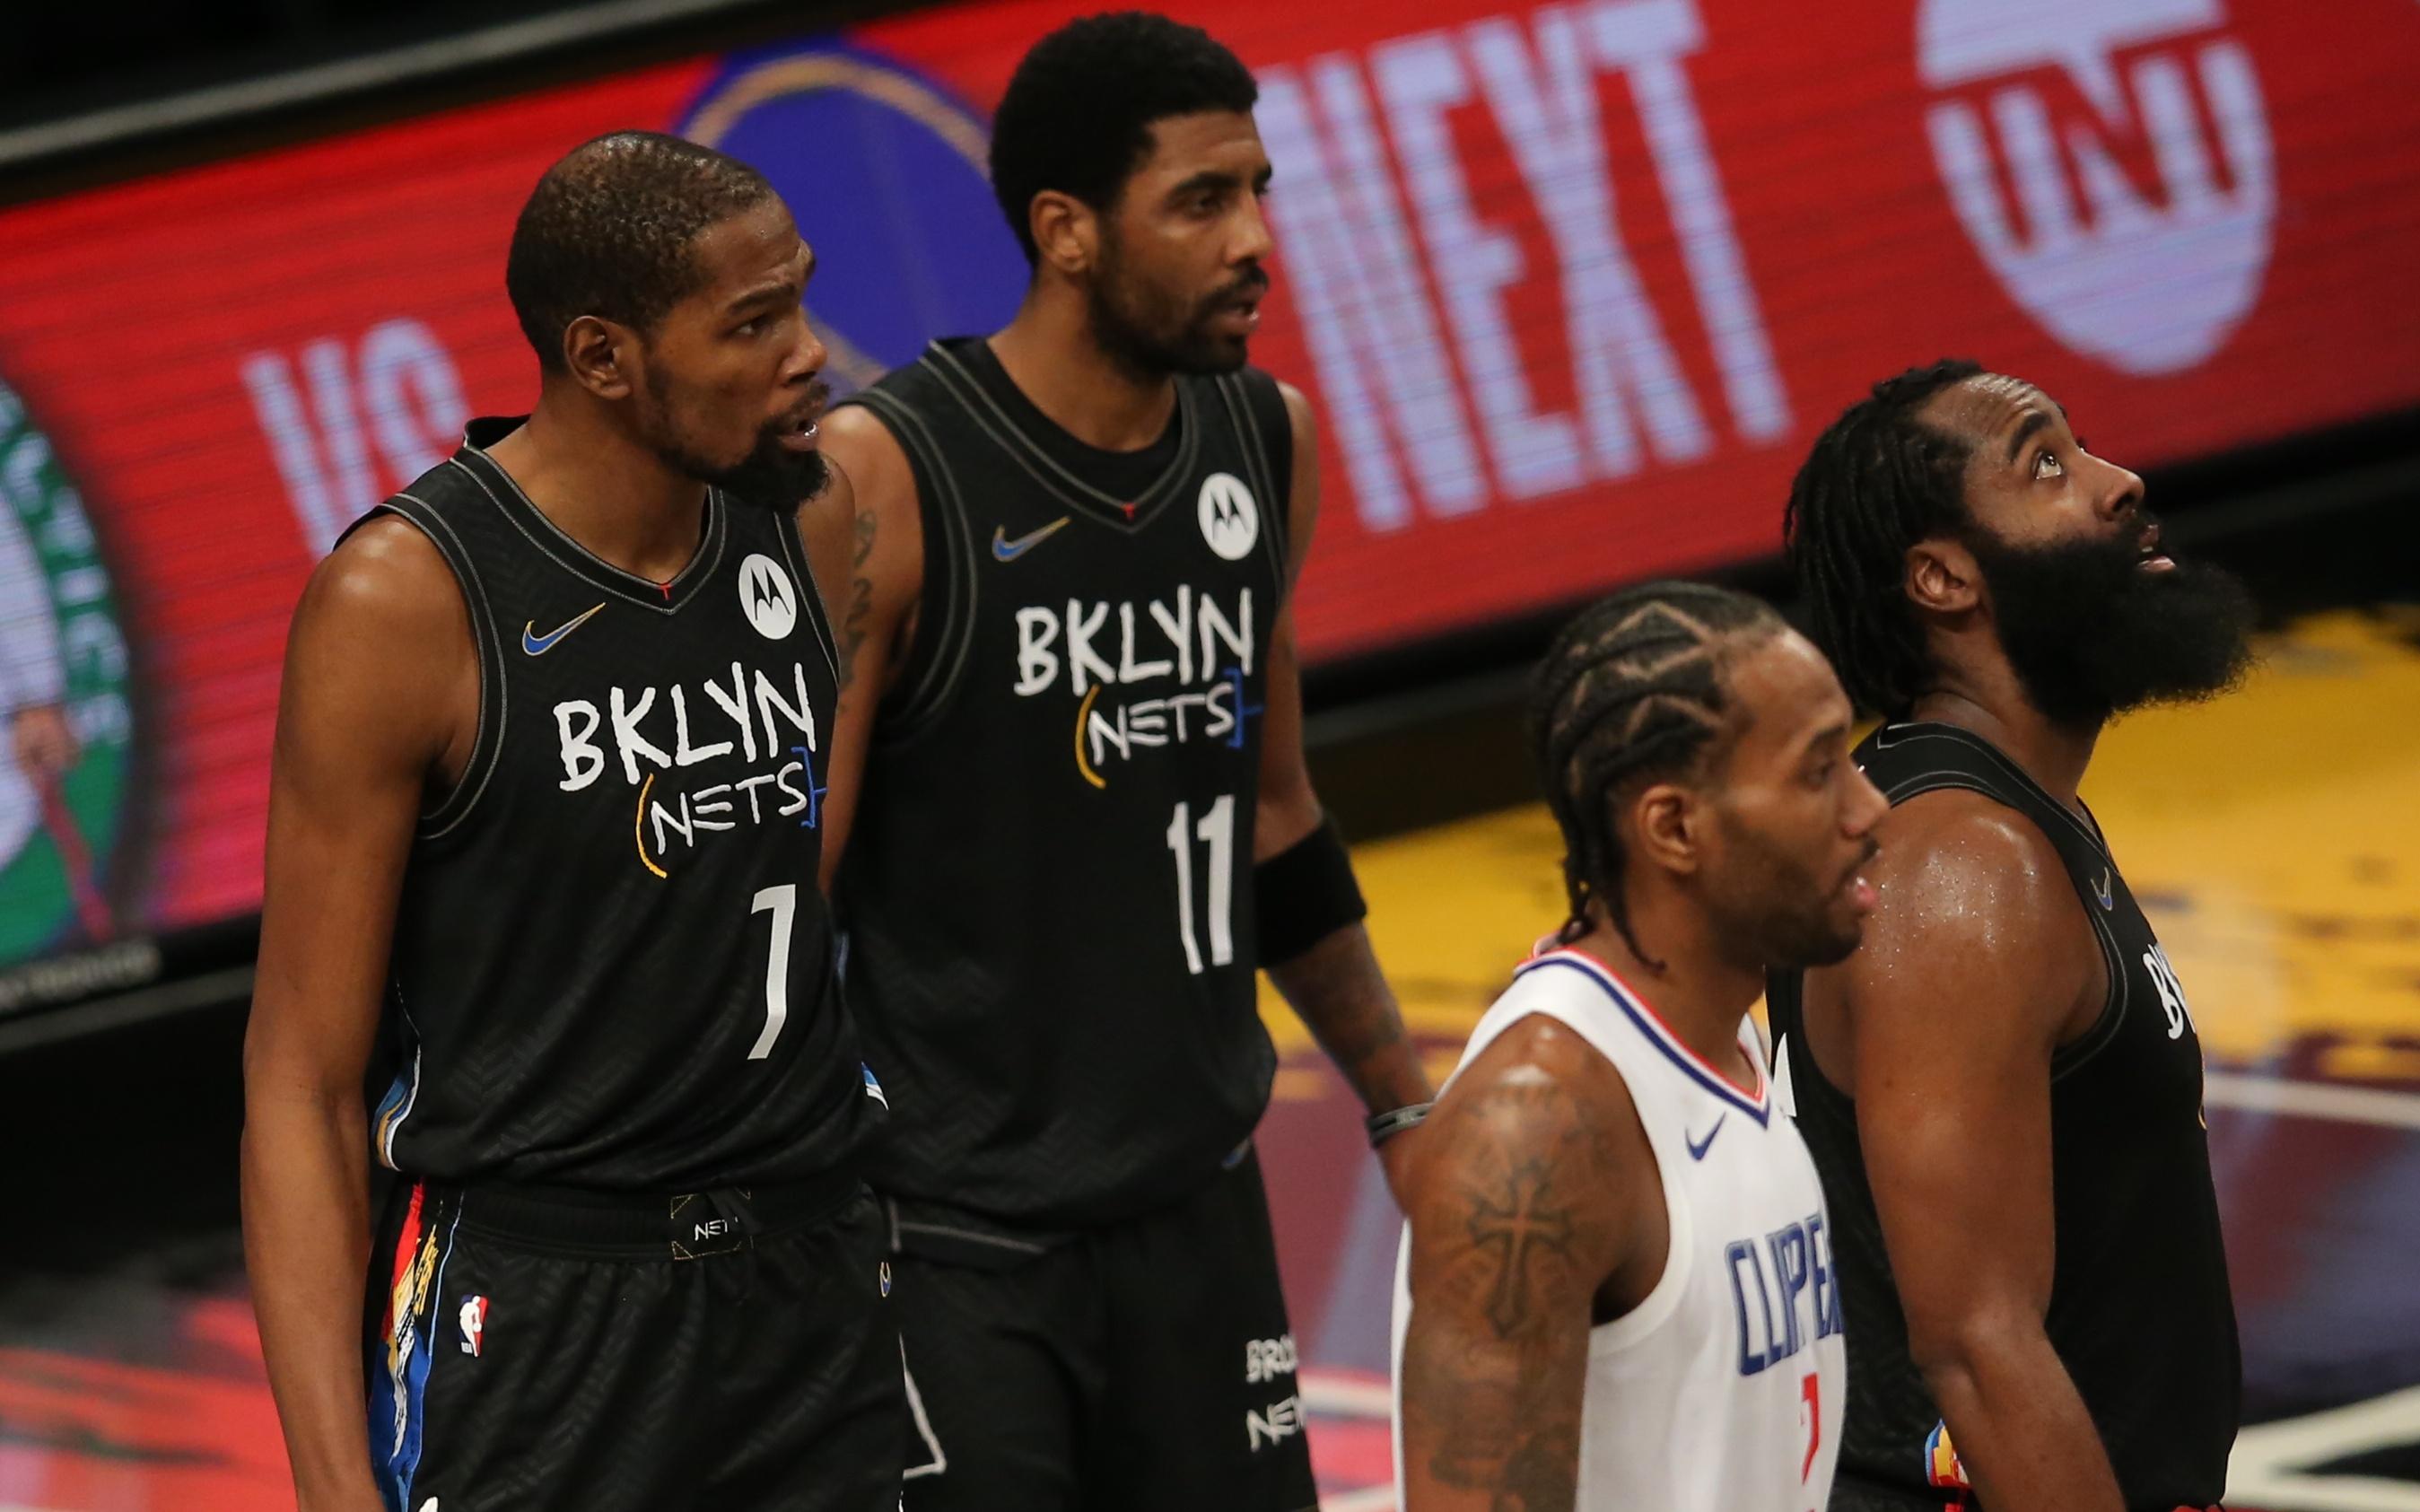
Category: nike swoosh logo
[537,645]
[1009,550]
[2107,899]
[1697,1147]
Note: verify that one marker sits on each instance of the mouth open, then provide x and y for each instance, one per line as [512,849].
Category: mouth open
[2151,559]
[1859,892]
[803,434]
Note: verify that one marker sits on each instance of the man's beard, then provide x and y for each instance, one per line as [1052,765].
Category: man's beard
[1780,915]
[773,476]
[2090,633]
[770,477]
[1154,342]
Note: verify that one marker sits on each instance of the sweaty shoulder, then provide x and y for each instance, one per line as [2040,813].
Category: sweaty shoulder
[1971,892]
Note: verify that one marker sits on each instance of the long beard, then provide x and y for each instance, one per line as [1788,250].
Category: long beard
[2091,634]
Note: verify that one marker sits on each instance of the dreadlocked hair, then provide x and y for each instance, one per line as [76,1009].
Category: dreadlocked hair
[1878,480]
[1631,692]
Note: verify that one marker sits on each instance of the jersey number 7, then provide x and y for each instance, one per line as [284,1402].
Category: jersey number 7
[783,903]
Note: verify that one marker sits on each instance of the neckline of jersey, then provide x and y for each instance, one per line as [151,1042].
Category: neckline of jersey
[1755,1102]
[664,597]
[1890,734]
[991,411]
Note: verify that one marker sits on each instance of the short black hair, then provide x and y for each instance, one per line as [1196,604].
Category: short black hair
[1078,113]
[1879,480]
[1633,691]
[610,228]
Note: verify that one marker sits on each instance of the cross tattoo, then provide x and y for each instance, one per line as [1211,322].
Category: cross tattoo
[1519,1224]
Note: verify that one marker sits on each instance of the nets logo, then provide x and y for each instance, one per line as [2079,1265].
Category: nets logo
[66,717]
[766,595]
[2136,229]
[838,130]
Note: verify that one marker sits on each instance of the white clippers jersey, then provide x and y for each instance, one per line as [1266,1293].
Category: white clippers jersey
[1722,1391]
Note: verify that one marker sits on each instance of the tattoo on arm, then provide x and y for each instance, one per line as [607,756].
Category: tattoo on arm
[1518,1223]
[1543,1474]
[1510,1245]
[861,598]
[1338,993]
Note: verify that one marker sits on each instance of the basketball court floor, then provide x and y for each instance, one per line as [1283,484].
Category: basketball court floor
[2273,837]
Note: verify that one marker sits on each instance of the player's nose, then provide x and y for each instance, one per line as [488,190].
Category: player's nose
[808,356]
[2120,491]
[1252,241]
[1864,808]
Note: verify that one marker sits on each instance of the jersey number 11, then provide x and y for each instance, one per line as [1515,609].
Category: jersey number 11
[1216,830]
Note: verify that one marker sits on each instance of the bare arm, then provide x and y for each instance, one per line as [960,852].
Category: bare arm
[867,520]
[1975,964]
[1523,1205]
[1335,986]
[360,730]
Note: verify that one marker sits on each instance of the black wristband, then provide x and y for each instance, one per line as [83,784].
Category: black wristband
[1386,1126]
[1304,894]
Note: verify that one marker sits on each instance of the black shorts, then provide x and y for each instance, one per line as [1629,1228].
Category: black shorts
[1850,1494]
[1145,1367]
[529,1351]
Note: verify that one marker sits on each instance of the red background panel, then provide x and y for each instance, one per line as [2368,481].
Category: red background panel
[153,329]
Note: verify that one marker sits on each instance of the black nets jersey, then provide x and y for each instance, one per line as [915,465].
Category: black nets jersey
[2141,1312]
[612,967]
[1047,892]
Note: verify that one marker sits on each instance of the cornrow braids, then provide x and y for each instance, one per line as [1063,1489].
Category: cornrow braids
[1879,480]
[1631,692]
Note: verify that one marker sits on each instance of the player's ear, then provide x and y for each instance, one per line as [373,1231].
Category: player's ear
[600,354]
[1066,231]
[1665,819]
[1942,576]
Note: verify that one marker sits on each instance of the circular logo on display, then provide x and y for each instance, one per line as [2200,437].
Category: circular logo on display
[67,720]
[767,597]
[1231,521]
[885,173]
[2129,216]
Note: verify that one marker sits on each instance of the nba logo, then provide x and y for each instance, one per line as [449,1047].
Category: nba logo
[2135,148]
[474,1323]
